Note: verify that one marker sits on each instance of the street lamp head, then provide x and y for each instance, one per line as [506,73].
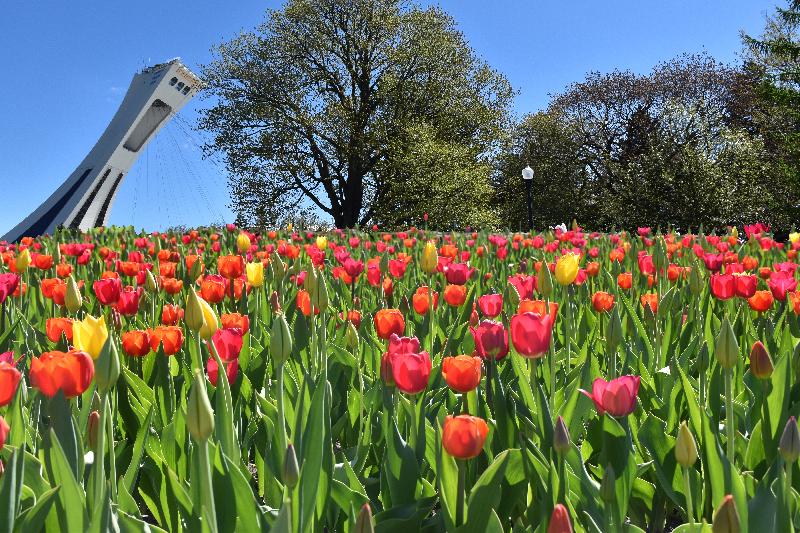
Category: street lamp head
[527,173]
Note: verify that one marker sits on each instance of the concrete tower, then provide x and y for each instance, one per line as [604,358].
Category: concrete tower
[84,200]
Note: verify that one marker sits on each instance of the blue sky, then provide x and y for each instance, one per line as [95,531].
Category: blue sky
[67,65]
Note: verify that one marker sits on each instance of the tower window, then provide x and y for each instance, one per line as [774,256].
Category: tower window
[186,89]
[173,81]
[179,86]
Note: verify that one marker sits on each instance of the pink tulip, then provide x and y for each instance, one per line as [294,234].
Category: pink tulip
[616,397]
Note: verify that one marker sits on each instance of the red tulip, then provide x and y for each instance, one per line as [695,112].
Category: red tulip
[389,322]
[70,372]
[463,436]
[128,302]
[228,342]
[531,334]
[723,286]
[616,397]
[602,302]
[491,340]
[169,337]
[559,520]
[746,285]
[231,370]
[458,273]
[107,290]
[8,285]
[525,285]
[780,283]
[491,305]
[9,382]
[408,367]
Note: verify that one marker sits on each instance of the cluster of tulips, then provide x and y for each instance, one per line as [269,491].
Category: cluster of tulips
[222,380]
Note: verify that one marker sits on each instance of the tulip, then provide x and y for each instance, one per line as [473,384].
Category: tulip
[430,259]
[561,438]
[322,242]
[58,328]
[685,447]
[255,274]
[616,397]
[491,340]
[761,301]
[761,365]
[230,266]
[567,268]
[463,436]
[290,473]
[4,431]
[364,520]
[491,305]
[726,517]
[169,337]
[625,280]
[136,343]
[421,300]
[23,260]
[524,285]
[107,290]
[228,343]
[602,302]
[389,322]
[243,242]
[236,321]
[199,414]
[559,520]
[171,314]
[280,341]
[72,298]
[462,373]
[407,367]
[545,282]
[89,335]
[458,273]
[9,382]
[531,334]
[455,295]
[231,370]
[650,300]
[128,303]
[789,445]
[200,316]
[781,283]
[745,285]
[540,307]
[70,372]
[726,348]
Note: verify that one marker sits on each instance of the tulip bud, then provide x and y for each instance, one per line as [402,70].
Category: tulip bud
[23,260]
[522,266]
[545,281]
[91,429]
[320,297]
[789,445]
[275,302]
[243,242]
[73,299]
[106,367]
[291,470]
[511,295]
[614,331]
[194,316]
[796,361]
[199,414]
[760,362]
[280,340]
[607,489]
[57,254]
[561,440]
[685,447]
[310,283]
[726,349]
[351,336]
[364,520]
[196,270]
[95,401]
[726,517]
[474,319]
[695,280]
[559,520]
[278,267]
[150,283]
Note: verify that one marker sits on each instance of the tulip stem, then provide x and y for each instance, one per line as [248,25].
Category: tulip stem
[281,412]
[112,459]
[99,475]
[687,489]
[789,468]
[462,487]
[206,491]
[730,419]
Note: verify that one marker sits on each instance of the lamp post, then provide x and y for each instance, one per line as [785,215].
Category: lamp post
[527,175]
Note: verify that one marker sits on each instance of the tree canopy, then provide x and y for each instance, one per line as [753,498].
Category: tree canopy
[330,102]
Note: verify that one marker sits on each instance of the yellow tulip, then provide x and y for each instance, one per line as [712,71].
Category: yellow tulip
[566,268]
[794,237]
[255,273]
[322,242]
[211,322]
[243,242]
[289,226]
[430,258]
[23,260]
[89,335]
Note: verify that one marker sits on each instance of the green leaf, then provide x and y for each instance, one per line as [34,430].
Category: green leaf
[34,518]
[11,489]
[71,500]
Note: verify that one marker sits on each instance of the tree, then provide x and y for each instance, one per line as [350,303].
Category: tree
[311,107]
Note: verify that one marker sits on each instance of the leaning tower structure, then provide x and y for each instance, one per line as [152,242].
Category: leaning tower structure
[85,198]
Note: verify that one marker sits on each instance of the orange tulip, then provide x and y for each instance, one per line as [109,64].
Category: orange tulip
[794,299]
[462,372]
[602,302]
[303,302]
[57,327]
[69,372]
[212,289]
[455,295]
[230,266]
[537,306]
[650,299]
[388,321]
[136,343]
[128,268]
[761,301]
[63,270]
[463,436]
[43,262]
[625,280]
[422,302]
[169,337]
[235,321]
